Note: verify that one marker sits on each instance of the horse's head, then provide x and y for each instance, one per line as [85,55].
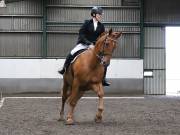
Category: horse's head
[106,44]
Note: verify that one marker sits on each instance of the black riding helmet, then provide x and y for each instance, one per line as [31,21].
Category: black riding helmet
[96,10]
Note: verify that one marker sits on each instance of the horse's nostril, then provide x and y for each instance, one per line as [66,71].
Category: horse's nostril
[105,63]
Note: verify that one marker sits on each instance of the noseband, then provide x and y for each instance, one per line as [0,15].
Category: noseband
[102,53]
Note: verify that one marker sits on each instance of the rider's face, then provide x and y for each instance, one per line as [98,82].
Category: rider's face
[98,17]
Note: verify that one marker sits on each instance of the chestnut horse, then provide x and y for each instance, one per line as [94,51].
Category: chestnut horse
[86,73]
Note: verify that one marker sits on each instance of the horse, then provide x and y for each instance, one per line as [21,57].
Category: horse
[86,73]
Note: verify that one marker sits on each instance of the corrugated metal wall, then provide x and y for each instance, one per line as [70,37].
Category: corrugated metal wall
[156,84]
[70,13]
[64,18]
[162,12]
[154,60]
[157,15]
[85,2]
[20,44]
[73,13]
[23,7]
[21,29]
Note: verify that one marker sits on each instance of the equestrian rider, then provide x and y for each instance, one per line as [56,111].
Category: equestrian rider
[88,34]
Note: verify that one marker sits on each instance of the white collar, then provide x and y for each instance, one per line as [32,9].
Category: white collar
[95,21]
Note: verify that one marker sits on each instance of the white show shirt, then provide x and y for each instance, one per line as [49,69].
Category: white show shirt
[95,22]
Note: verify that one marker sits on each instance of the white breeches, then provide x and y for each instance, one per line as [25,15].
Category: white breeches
[79,47]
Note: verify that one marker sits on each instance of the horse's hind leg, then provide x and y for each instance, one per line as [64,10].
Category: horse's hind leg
[70,120]
[65,95]
[73,98]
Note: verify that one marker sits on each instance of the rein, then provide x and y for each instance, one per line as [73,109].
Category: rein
[101,54]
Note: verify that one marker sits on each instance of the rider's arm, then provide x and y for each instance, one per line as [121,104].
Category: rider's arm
[82,33]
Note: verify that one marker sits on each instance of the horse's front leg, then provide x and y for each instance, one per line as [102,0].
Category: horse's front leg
[100,92]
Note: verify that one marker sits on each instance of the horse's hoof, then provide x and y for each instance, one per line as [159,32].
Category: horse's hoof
[61,118]
[69,122]
[98,119]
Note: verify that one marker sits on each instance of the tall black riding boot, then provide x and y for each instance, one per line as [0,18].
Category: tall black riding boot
[68,60]
[104,81]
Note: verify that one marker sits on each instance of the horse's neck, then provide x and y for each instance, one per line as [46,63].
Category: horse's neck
[94,58]
[96,50]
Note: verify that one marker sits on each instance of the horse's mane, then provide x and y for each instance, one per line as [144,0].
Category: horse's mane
[102,34]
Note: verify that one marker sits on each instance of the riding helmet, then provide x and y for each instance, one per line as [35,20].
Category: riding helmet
[96,10]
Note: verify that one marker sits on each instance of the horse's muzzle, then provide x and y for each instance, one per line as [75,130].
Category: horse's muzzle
[105,62]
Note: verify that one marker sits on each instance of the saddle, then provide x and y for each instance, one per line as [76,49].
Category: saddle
[75,55]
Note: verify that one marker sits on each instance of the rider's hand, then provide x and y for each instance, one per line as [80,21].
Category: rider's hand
[91,46]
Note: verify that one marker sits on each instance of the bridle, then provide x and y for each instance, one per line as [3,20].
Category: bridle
[102,53]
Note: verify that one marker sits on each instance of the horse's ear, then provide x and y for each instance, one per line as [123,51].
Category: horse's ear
[102,34]
[117,34]
[110,31]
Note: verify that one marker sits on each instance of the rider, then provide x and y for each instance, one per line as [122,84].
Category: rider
[88,34]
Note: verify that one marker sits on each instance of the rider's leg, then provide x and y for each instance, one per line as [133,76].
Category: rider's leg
[104,81]
[68,60]
[70,57]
